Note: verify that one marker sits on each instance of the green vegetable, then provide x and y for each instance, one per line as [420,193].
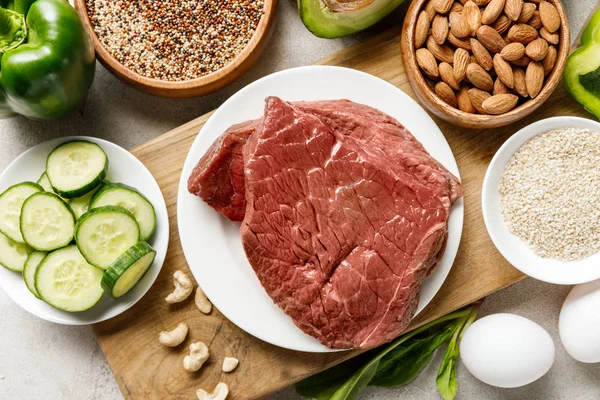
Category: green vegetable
[335,18]
[396,363]
[582,72]
[47,59]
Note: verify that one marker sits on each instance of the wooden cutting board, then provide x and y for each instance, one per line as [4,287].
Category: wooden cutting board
[144,369]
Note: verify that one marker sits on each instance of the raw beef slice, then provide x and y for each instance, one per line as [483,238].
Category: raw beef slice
[340,235]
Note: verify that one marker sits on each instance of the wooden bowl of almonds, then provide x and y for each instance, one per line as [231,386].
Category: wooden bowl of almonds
[177,48]
[484,63]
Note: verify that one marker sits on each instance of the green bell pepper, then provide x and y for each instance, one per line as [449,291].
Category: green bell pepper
[582,72]
[47,59]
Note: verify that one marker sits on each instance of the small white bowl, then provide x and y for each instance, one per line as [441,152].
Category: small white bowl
[516,251]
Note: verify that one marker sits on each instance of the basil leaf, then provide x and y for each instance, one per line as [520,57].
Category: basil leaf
[406,361]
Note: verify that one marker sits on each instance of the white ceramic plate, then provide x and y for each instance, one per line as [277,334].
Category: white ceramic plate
[212,244]
[122,167]
[516,251]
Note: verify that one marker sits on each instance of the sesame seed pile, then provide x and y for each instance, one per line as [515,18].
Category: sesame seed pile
[550,194]
[174,40]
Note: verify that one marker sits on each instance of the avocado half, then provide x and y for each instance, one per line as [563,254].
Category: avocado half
[336,18]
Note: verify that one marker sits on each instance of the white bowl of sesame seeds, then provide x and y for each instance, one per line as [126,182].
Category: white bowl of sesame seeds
[541,200]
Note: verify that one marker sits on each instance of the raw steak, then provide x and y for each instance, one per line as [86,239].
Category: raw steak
[343,220]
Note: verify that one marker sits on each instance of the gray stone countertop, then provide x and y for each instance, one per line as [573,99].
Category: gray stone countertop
[43,360]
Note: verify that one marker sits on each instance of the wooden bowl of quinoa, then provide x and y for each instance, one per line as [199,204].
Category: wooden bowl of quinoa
[178,48]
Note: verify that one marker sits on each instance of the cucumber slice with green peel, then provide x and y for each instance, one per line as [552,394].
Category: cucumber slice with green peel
[118,194]
[128,269]
[81,205]
[74,168]
[103,234]
[34,259]
[65,280]
[11,202]
[45,184]
[13,255]
[47,222]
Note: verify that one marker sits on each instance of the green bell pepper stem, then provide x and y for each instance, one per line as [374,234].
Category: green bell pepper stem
[13,30]
[50,74]
[582,72]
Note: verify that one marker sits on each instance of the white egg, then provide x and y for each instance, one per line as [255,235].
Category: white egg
[507,350]
[579,324]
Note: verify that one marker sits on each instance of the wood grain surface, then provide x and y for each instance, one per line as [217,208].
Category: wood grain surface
[144,369]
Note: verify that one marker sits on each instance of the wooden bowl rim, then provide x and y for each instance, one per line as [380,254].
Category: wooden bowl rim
[212,78]
[461,118]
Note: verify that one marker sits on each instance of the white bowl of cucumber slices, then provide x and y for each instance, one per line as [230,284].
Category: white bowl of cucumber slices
[84,230]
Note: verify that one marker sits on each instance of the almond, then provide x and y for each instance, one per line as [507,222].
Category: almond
[461,62]
[421,29]
[472,16]
[479,77]
[551,38]
[445,92]
[456,7]
[504,71]
[526,13]
[522,33]
[550,17]
[447,75]
[429,9]
[464,103]
[534,78]
[482,55]
[492,11]
[499,87]
[522,62]
[535,21]
[427,62]
[459,43]
[442,6]
[502,24]
[441,52]
[481,3]
[520,86]
[439,29]
[513,51]
[490,39]
[537,49]
[477,97]
[513,8]
[499,103]
[458,25]
[550,60]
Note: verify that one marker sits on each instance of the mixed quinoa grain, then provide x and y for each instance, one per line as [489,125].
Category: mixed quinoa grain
[550,194]
[174,40]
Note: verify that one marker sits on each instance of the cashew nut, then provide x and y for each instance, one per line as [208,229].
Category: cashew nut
[198,355]
[230,363]
[183,288]
[175,337]
[202,302]
[220,393]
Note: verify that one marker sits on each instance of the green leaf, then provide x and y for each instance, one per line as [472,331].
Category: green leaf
[446,377]
[406,361]
[346,380]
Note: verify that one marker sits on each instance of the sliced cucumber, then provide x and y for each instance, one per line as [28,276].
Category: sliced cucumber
[128,269]
[34,259]
[47,222]
[67,282]
[74,168]
[11,202]
[118,194]
[81,205]
[103,234]
[45,184]
[13,255]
